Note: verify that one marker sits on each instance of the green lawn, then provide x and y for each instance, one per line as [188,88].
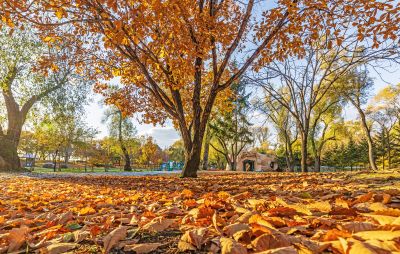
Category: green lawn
[82,170]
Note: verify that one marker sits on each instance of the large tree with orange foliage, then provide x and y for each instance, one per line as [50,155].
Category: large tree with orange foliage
[175,57]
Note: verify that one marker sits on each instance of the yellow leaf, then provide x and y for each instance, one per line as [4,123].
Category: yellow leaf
[230,246]
[86,211]
[60,13]
[378,235]
[158,224]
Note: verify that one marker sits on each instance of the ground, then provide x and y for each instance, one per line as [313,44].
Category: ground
[353,212]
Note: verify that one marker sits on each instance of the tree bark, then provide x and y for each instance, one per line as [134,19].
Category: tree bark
[9,160]
[127,166]
[367,132]
[289,154]
[304,141]
[192,162]
[206,149]
[317,163]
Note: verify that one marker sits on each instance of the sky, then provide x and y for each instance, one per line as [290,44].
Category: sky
[166,135]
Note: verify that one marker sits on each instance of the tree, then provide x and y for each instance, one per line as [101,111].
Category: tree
[176,151]
[356,85]
[284,125]
[206,148]
[386,112]
[175,57]
[59,135]
[301,83]
[232,130]
[325,119]
[260,135]
[150,153]
[122,128]
[26,79]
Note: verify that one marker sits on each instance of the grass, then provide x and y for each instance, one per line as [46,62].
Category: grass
[82,170]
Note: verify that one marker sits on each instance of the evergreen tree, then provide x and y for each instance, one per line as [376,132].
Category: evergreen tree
[381,144]
[231,130]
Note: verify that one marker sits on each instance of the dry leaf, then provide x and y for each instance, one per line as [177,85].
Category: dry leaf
[378,235]
[142,248]
[230,230]
[230,246]
[17,238]
[58,248]
[86,211]
[114,237]
[81,235]
[185,246]
[354,227]
[270,241]
[195,237]
[158,224]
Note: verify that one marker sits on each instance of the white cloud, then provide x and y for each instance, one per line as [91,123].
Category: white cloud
[164,136]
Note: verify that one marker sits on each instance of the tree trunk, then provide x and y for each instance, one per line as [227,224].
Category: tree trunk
[317,163]
[389,151]
[206,149]
[233,165]
[9,160]
[55,161]
[304,141]
[127,166]
[192,162]
[371,154]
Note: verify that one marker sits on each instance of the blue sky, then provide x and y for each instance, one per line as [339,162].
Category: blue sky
[167,135]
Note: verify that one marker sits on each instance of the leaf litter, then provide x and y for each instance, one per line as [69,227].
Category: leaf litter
[229,213]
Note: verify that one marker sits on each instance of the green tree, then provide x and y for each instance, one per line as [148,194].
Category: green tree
[355,88]
[25,80]
[232,130]
[284,124]
[122,128]
[176,152]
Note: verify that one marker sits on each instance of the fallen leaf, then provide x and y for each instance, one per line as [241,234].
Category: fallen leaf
[158,224]
[282,212]
[378,235]
[195,237]
[230,230]
[334,234]
[185,246]
[80,235]
[114,237]
[86,211]
[383,219]
[142,248]
[230,246]
[17,238]
[58,248]
[363,198]
[270,241]
[354,227]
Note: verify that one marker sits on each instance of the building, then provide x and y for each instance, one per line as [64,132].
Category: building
[254,161]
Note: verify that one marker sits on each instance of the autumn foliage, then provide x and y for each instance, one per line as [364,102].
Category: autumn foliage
[174,58]
[227,213]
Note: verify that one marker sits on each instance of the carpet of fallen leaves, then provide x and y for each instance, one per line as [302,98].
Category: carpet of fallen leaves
[215,213]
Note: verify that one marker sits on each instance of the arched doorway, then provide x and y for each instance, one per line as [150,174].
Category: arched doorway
[248,165]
